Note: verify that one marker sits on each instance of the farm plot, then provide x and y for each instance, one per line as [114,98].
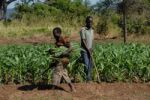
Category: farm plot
[113,62]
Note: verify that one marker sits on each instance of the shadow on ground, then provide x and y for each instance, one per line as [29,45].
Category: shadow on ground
[39,87]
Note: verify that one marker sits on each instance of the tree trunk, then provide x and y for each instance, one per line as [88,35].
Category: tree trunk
[1,9]
[1,14]
[124,22]
[5,10]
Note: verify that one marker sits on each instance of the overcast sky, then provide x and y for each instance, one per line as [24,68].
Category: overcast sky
[94,1]
[12,4]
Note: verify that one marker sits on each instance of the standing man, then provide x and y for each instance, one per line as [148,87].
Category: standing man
[87,37]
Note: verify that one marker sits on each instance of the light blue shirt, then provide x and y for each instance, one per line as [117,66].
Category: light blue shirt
[88,36]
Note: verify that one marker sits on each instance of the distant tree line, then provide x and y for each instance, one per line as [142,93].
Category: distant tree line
[122,16]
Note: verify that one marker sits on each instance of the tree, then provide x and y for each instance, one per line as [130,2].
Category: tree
[3,8]
[132,8]
[5,3]
[87,3]
[124,11]
[29,1]
[108,17]
[71,7]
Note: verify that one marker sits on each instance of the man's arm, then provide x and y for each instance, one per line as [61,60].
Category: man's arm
[68,51]
[85,46]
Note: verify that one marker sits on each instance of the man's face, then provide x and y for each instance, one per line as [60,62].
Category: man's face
[89,23]
[57,34]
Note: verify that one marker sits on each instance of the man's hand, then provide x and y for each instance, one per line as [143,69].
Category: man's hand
[89,51]
[50,51]
[67,44]
[59,44]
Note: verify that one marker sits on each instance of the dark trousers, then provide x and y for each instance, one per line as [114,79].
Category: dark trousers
[88,65]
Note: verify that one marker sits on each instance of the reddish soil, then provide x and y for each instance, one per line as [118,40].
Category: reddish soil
[29,40]
[37,39]
[103,91]
[85,91]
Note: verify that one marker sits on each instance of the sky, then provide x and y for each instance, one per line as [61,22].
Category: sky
[13,4]
[93,1]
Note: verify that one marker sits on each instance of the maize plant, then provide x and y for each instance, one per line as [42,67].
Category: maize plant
[113,62]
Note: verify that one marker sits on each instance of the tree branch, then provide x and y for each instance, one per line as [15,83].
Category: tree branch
[10,1]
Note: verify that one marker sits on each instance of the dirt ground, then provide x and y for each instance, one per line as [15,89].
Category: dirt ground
[92,91]
[85,91]
[38,39]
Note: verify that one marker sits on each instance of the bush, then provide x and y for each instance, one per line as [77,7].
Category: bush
[137,26]
[41,9]
[108,24]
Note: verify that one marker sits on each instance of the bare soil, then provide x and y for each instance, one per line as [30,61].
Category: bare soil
[38,39]
[85,91]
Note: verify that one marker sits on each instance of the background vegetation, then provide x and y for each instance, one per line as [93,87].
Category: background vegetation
[33,17]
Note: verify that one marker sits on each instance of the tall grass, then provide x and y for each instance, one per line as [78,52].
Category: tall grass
[35,25]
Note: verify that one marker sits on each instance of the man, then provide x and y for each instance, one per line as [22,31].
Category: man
[62,60]
[87,37]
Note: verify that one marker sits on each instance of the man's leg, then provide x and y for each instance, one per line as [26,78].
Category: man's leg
[68,80]
[90,66]
[87,68]
[57,75]
[72,87]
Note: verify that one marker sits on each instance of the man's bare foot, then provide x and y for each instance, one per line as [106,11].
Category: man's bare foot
[73,90]
[53,87]
[72,87]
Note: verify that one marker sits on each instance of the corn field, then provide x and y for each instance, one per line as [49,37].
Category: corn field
[112,62]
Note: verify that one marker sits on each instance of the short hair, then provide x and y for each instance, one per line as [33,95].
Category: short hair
[88,17]
[57,29]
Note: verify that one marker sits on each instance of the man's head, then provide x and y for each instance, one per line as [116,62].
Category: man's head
[57,33]
[89,22]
